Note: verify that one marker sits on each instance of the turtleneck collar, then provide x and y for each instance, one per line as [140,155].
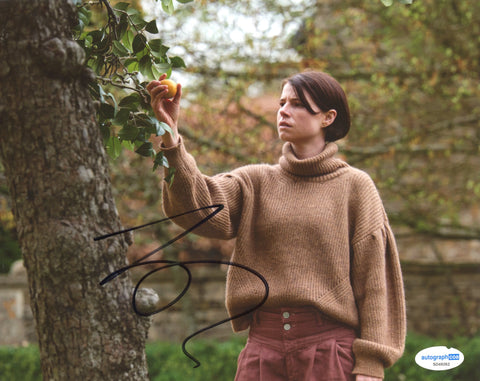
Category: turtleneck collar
[322,164]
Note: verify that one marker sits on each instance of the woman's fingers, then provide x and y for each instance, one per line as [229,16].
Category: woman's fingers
[153,86]
[158,92]
[178,94]
[157,89]
[166,110]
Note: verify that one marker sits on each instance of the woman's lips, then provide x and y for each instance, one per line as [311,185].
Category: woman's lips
[284,124]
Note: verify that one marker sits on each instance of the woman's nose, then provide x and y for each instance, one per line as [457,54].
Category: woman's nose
[283,110]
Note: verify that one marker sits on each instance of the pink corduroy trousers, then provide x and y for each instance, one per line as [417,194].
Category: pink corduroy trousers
[296,344]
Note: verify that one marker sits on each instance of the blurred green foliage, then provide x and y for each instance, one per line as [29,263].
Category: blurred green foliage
[9,249]
[167,362]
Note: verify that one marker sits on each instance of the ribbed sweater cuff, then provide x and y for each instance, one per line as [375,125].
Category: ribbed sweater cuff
[368,367]
[175,154]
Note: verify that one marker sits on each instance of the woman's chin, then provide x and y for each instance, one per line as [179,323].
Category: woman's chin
[283,135]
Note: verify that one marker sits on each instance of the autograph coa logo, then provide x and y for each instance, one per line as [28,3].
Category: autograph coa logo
[439,358]
[184,265]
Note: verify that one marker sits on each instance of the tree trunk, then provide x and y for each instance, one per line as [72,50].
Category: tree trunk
[57,174]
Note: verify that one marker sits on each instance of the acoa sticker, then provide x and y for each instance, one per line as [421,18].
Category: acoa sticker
[439,358]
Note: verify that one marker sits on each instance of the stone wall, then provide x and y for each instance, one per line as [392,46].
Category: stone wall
[16,321]
[442,300]
[202,305]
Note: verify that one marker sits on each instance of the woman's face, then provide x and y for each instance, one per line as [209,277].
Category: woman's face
[295,124]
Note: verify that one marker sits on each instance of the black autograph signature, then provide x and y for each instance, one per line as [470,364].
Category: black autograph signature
[184,265]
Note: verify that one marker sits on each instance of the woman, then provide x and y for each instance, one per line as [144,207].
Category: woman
[315,228]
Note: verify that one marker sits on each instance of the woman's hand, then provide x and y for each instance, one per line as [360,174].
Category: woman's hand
[361,377]
[166,110]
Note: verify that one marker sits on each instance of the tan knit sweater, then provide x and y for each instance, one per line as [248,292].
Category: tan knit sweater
[316,230]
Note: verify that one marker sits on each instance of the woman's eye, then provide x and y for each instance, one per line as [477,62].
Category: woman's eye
[296,104]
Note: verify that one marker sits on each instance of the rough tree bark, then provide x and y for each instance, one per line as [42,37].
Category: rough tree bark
[57,174]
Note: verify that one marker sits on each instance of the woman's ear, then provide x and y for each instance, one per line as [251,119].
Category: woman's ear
[330,116]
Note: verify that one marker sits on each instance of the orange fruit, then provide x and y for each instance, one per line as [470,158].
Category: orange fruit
[172,87]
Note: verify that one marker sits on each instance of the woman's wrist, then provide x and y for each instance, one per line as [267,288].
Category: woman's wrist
[170,140]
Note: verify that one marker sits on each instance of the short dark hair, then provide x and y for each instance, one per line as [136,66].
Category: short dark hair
[327,94]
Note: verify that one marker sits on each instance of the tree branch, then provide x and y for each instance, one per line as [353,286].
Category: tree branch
[111,13]
[189,133]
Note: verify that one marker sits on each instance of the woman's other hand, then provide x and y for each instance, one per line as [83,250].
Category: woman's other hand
[166,110]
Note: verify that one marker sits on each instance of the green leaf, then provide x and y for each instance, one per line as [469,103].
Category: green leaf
[105,131]
[128,39]
[151,27]
[160,161]
[171,174]
[113,147]
[159,56]
[128,145]
[139,43]
[102,45]
[167,6]
[157,47]
[97,92]
[146,149]
[128,132]
[119,49]
[145,120]
[106,111]
[155,72]
[133,11]
[122,6]
[178,62]
[88,42]
[131,64]
[165,127]
[387,3]
[141,137]
[96,35]
[122,116]
[142,54]
[184,1]
[159,128]
[115,105]
[98,64]
[138,21]
[131,101]
[84,16]
[122,27]
[162,68]
[145,67]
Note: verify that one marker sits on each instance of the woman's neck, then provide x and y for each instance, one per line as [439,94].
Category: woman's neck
[306,151]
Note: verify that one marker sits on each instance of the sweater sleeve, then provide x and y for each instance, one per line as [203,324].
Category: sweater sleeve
[192,190]
[378,288]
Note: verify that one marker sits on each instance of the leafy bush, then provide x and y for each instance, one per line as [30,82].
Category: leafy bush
[167,362]
[20,363]
[10,250]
